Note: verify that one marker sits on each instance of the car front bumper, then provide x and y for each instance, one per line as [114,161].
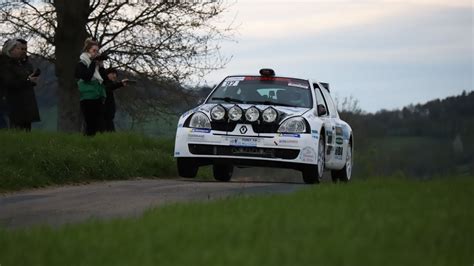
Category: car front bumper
[281,150]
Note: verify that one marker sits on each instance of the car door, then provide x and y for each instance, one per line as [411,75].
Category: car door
[323,97]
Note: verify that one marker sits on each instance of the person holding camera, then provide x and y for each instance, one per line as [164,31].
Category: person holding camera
[91,74]
[18,80]
[111,84]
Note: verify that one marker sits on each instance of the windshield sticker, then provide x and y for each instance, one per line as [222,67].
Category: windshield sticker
[231,83]
[298,85]
[234,78]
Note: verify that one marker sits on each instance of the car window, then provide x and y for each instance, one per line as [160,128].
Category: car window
[320,100]
[330,103]
[263,90]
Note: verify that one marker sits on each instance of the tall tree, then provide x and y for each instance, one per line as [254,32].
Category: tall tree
[159,39]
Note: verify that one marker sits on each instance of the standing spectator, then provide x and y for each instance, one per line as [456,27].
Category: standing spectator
[19,81]
[3,93]
[111,84]
[90,73]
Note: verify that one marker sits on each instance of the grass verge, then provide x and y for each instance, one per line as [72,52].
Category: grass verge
[39,159]
[370,222]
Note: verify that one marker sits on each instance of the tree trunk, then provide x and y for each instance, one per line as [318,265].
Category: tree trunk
[69,37]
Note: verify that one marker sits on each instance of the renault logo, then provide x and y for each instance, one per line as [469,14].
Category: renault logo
[243,129]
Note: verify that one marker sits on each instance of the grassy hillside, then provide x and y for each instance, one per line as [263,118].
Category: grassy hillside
[38,159]
[371,222]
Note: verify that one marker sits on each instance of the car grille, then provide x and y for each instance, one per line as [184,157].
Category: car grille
[203,149]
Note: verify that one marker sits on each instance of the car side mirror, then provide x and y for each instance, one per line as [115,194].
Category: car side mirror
[322,110]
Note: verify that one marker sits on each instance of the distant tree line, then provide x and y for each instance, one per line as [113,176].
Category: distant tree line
[423,140]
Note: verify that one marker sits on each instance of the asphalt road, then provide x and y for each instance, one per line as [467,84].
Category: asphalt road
[70,204]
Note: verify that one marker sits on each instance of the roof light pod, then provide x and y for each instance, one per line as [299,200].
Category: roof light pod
[235,113]
[217,112]
[252,114]
[269,115]
[267,72]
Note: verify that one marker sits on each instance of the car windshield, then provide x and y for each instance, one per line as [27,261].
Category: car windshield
[263,90]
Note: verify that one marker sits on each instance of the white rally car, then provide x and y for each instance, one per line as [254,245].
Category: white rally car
[269,121]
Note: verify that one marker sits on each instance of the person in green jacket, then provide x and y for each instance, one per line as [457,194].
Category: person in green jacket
[90,74]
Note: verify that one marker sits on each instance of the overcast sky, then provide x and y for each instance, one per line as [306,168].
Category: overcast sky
[385,53]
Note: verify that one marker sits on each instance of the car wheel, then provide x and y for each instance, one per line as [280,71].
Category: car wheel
[344,175]
[314,173]
[187,167]
[223,172]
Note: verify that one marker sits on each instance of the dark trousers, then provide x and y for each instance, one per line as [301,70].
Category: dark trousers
[93,113]
[109,125]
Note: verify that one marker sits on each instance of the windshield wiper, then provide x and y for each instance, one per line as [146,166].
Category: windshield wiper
[227,99]
[271,103]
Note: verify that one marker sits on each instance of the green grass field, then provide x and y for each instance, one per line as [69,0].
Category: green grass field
[369,222]
[39,159]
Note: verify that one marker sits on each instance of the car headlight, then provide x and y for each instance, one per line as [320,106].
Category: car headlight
[252,114]
[200,120]
[293,125]
[235,113]
[217,112]
[269,115]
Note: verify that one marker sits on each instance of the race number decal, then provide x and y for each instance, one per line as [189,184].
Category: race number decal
[231,83]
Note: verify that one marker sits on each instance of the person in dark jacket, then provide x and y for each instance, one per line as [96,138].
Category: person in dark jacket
[3,94]
[19,81]
[91,74]
[111,84]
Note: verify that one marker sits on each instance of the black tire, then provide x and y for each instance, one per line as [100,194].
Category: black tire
[223,172]
[314,173]
[187,167]
[344,175]
[310,174]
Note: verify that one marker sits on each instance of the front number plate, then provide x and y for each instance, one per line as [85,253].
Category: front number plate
[243,142]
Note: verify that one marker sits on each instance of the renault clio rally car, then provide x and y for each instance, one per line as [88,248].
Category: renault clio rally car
[269,121]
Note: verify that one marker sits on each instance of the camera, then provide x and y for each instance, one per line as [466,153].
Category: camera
[102,57]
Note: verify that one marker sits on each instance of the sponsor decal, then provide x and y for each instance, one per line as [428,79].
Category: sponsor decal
[195,136]
[339,131]
[289,135]
[339,141]
[231,83]
[298,85]
[314,132]
[338,153]
[288,141]
[329,134]
[201,130]
[234,78]
[329,150]
[177,153]
[308,155]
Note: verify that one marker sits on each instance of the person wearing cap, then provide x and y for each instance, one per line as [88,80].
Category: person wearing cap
[111,84]
[18,82]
